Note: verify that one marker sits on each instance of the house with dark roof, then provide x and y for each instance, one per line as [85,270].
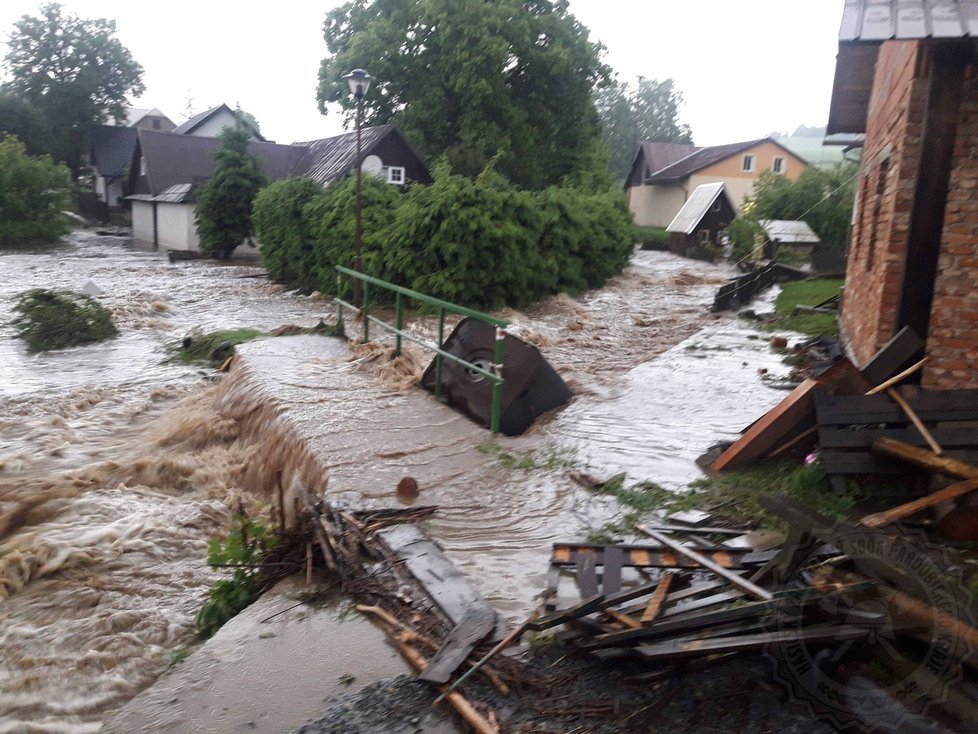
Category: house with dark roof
[664,176]
[907,78]
[168,168]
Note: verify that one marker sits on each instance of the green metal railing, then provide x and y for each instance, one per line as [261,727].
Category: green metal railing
[495,371]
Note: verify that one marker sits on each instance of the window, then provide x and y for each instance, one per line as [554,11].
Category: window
[142,165]
[748,166]
[393,174]
[156,124]
[704,236]
[778,165]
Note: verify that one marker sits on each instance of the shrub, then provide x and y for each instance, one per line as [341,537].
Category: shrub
[33,193]
[284,232]
[241,551]
[55,319]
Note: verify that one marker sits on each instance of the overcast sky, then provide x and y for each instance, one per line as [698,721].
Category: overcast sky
[746,69]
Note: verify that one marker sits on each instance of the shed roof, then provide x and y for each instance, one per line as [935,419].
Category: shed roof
[704,157]
[332,158]
[112,149]
[173,159]
[789,232]
[868,23]
[696,207]
[882,20]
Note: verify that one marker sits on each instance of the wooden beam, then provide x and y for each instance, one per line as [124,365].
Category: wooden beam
[880,519]
[925,459]
[654,607]
[736,580]
[884,386]
[915,419]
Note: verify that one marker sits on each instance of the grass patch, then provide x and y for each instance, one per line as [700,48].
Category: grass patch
[807,293]
[651,235]
[547,461]
[737,493]
[56,319]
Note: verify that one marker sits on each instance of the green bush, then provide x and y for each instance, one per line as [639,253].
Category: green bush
[55,319]
[283,231]
[478,242]
[241,552]
[33,193]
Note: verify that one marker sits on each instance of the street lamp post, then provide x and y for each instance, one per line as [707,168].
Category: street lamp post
[359,82]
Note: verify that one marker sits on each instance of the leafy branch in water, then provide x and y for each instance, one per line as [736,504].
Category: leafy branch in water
[55,319]
[241,551]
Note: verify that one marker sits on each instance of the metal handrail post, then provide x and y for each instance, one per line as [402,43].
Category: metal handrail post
[339,303]
[497,388]
[366,321]
[398,322]
[441,344]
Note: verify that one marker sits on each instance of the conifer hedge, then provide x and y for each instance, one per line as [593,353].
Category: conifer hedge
[478,242]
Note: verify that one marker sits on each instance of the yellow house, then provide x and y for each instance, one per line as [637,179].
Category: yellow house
[656,194]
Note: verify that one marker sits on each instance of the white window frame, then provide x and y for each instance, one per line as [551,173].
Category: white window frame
[779,165]
[395,174]
[748,163]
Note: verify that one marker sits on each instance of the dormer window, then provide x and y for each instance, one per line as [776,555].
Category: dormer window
[748,164]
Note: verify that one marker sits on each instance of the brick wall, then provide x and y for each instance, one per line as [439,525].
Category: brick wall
[952,343]
[887,178]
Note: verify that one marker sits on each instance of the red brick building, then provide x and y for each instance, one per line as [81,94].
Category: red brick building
[907,78]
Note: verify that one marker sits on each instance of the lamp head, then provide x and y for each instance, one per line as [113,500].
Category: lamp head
[359,82]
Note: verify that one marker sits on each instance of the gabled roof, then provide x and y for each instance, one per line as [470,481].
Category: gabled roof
[333,158]
[696,207]
[789,232]
[707,157]
[173,159]
[659,155]
[112,149]
[185,128]
[135,114]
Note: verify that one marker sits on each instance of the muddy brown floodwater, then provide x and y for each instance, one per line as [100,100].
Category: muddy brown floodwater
[117,466]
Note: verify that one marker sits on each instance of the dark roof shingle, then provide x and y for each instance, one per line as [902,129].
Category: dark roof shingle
[660,155]
[706,157]
[332,158]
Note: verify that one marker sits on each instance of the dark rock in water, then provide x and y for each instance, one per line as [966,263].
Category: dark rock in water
[407,488]
[221,352]
[188,341]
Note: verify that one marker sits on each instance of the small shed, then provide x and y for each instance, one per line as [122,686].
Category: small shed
[794,240]
[695,230]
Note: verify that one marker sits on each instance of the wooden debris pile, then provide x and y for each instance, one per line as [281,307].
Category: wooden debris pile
[694,596]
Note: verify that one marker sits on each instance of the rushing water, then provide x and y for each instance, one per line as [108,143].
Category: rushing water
[115,469]
[116,466]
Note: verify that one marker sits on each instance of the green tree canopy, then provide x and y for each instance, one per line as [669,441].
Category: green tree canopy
[474,80]
[33,192]
[74,71]
[224,200]
[650,111]
[823,197]
[19,117]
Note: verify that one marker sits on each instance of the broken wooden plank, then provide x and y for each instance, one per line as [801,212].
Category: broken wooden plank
[738,581]
[440,578]
[670,650]
[587,576]
[879,519]
[625,619]
[611,570]
[897,379]
[792,416]
[932,406]
[915,419]
[925,459]
[475,626]
[647,556]
[654,607]
[896,354]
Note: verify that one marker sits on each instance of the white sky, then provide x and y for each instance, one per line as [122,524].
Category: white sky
[746,68]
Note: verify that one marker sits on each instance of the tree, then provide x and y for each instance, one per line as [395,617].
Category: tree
[19,117]
[823,197]
[75,72]
[224,201]
[33,193]
[473,81]
[629,116]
